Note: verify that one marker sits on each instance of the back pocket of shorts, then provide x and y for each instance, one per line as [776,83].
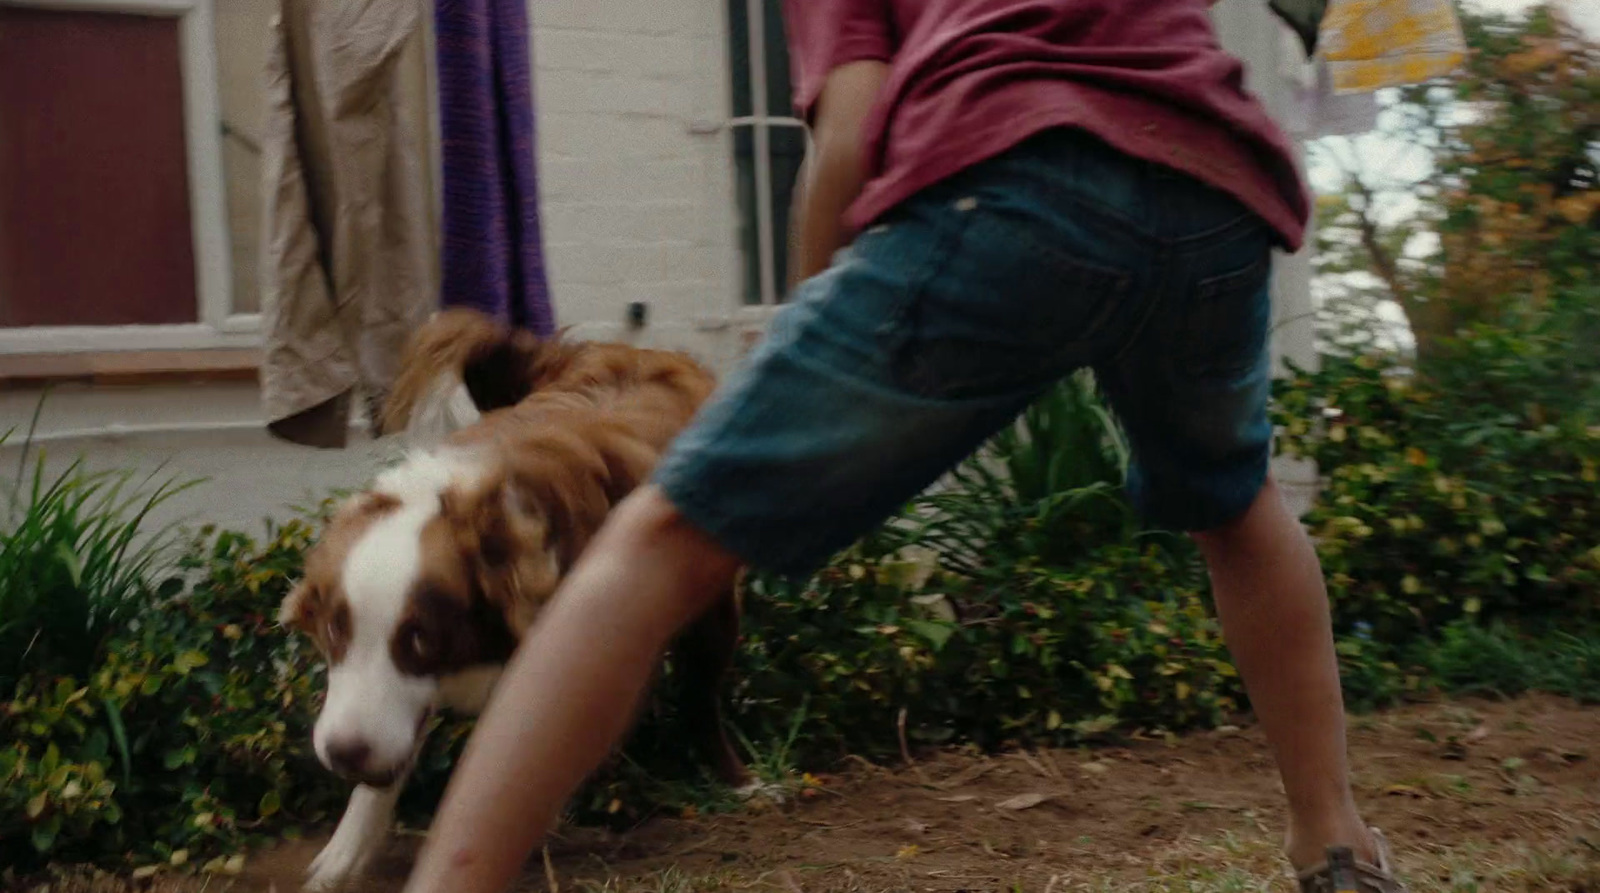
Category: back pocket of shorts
[1005,311]
[1226,323]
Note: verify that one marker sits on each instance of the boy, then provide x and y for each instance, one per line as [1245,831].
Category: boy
[1026,187]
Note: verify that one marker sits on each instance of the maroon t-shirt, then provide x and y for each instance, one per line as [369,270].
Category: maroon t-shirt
[972,78]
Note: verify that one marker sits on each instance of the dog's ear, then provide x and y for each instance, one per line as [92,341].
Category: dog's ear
[307,601]
[508,548]
[301,606]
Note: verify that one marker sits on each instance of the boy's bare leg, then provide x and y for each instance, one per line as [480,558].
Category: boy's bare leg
[570,693]
[1273,603]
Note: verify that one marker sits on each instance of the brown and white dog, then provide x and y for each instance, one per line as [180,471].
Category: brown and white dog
[420,588]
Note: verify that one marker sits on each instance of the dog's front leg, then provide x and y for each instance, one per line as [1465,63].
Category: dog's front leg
[360,835]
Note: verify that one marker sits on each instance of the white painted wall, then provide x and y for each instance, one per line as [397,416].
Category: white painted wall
[636,173]
[1249,30]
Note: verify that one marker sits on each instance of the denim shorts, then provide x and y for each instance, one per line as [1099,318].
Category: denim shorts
[955,311]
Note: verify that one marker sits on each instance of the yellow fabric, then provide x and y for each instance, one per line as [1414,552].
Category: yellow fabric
[1372,44]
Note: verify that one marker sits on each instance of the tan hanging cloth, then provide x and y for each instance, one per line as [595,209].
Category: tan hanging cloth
[350,244]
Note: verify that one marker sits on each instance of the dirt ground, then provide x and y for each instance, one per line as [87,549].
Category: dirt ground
[1476,796]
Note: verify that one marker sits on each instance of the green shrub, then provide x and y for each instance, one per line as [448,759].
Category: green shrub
[1047,492]
[1050,614]
[74,561]
[1443,503]
[190,737]
[1049,658]
[1503,661]
[1371,674]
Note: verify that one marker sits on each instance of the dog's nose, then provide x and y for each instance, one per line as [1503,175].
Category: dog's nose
[349,756]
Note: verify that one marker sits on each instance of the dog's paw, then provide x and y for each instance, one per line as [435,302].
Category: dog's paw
[361,833]
[339,862]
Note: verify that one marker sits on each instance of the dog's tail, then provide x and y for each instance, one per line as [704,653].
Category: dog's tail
[457,366]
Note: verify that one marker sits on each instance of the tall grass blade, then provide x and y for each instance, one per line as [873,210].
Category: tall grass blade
[77,559]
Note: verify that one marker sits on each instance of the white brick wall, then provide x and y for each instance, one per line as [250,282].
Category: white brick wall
[1251,32]
[636,206]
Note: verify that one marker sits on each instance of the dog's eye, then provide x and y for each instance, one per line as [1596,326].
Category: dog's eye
[418,643]
[414,646]
[336,630]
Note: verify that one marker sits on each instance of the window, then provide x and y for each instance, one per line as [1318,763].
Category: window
[769,144]
[123,142]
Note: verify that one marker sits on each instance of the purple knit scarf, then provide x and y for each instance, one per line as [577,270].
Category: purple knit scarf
[492,256]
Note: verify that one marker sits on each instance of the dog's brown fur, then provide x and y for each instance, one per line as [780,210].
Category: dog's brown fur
[569,429]
[505,369]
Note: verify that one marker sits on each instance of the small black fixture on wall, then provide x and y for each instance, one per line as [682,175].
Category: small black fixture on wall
[638,314]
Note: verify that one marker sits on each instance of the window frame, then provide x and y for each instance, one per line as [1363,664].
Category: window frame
[217,324]
[761,123]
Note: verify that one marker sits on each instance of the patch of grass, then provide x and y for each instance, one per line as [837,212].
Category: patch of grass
[775,763]
[1468,658]
[699,794]
[1513,867]
[688,788]
[1499,660]
[76,560]
[1205,880]
[1230,864]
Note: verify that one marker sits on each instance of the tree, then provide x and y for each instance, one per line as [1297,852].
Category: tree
[1502,226]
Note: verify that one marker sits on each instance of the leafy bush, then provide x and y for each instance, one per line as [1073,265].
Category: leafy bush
[1441,502]
[1500,660]
[1049,615]
[1047,491]
[73,562]
[192,734]
[1051,658]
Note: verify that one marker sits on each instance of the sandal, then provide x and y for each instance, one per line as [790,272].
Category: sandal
[1342,873]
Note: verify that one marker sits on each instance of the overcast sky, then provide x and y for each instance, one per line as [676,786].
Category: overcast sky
[1585,12]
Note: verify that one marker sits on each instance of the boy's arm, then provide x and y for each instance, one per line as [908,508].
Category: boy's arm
[833,177]
[836,172]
